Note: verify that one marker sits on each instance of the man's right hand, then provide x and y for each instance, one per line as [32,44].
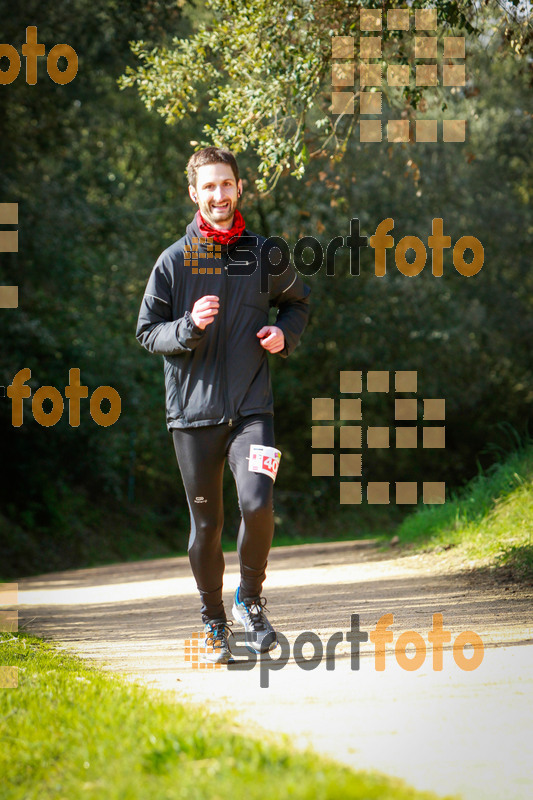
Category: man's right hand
[204,310]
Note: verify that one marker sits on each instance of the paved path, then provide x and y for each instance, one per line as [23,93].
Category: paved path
[453,731]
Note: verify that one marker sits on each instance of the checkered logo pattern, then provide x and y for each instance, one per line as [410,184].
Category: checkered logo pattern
[425,72]
[192,253]
[405,435]
[9,243]
[194,648]
[8,624]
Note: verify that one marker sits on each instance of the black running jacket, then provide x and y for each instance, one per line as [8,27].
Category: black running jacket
[218,374]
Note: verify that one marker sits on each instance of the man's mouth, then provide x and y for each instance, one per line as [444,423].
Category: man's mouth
[222,206]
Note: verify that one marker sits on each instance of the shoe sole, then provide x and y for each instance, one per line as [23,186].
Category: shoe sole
[224,660]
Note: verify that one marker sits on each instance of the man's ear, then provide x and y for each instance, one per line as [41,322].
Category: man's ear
[239,188]
[192,194]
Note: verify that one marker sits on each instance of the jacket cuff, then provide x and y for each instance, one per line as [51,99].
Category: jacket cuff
[286,350]
[188,333]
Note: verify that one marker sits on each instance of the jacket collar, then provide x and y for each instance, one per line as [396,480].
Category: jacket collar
[193,231]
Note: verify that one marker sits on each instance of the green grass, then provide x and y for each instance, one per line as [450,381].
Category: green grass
[73,731]
[489,522]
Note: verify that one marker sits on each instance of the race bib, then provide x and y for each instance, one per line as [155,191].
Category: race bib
[264,459]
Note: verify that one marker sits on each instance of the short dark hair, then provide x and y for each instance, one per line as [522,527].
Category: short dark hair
[210,155]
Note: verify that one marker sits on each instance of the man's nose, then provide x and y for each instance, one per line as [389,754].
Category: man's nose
[219,194]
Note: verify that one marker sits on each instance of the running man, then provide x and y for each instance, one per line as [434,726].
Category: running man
[211,326]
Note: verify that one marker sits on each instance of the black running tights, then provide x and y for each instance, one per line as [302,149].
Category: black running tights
[201,454]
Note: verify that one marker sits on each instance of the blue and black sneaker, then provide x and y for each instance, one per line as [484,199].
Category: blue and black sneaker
[249,611]
[216,648]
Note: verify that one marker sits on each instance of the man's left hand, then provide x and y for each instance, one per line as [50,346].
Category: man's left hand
[272,338]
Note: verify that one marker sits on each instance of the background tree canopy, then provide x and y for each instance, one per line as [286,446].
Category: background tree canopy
[99,179]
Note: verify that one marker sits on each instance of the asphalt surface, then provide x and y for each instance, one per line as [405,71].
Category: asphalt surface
[455,731]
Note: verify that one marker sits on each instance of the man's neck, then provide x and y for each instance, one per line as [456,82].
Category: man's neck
[223,226]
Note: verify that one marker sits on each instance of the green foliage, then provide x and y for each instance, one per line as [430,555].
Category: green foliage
[265,69]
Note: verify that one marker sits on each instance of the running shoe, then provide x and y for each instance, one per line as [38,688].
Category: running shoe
[216,632]
[249,611]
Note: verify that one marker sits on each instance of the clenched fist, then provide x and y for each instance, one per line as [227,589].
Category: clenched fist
[205,310]
[272,338]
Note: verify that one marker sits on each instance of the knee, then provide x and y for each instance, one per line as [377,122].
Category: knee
[259,505]
[206,534]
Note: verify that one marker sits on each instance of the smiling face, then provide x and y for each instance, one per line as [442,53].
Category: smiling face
[216,193]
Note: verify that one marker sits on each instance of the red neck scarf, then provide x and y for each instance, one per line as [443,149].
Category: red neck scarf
[221,237]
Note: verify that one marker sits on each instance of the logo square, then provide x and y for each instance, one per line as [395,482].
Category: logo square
[433,492]
[342,74]
[426,19]
[351,381]
[323,436]
[370,19]
[9,677]
[426,130]
[9,213]
[406,380]
[454,47]
[453,75]
[425,47]
[426,75]
[370,102]
[454,130]
[322,465]
[351,464]
[350,493]
[370,47]
[377,492]
[8,594]
[407,437]
[377,381]
[323,408]
[398,130]
[370,75]
[406,492]
[433,437]
[9,620]
[351,436]
[342,102]
[435,409]
[9,296]
[342,46]
[398,19]
[405,409]
[350,409]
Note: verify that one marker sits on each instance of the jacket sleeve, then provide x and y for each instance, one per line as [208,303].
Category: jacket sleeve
[157,331]
[291,295]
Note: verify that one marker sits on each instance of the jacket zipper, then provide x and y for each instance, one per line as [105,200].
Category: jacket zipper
[225,339]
